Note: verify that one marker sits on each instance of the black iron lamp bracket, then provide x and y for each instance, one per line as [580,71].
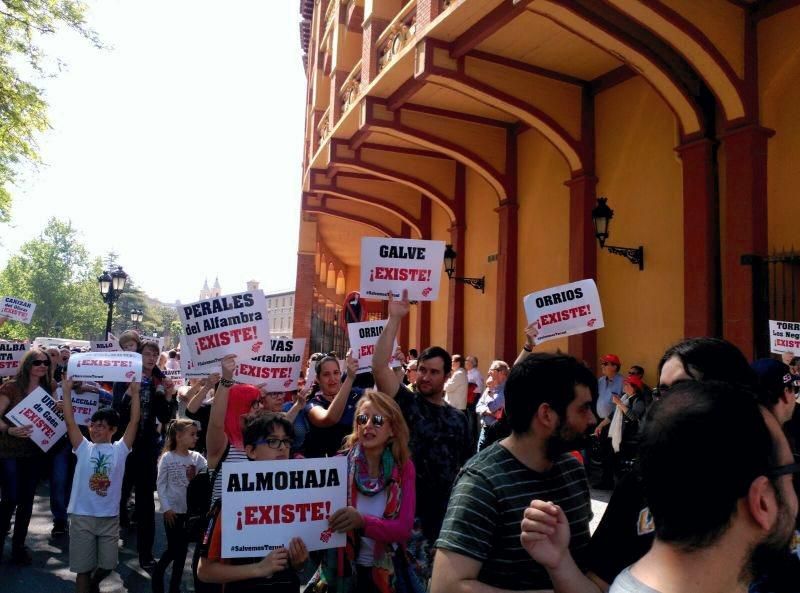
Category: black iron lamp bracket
[634,255]
[478,283]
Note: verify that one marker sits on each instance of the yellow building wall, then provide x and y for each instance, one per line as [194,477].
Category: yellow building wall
[779,88]
[440,225]
[640,174]
[543,244]
[481,241]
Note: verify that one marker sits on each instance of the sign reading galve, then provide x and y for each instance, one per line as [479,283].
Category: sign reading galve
[39,411]
[267,503]
[11,354]
[391,265]
[105,366]
[363,337]
[784,336]
[17,309]
[566,310]
[232,324]
[279,369]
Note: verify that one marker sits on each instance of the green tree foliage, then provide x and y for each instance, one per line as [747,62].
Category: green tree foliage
[23,109]
[56,272]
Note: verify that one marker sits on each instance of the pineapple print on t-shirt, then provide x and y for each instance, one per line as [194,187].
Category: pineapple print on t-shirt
[99,482]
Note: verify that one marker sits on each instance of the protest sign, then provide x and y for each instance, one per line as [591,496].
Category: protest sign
[84,405]
[267,503]
[363,337]
[175,375]
[108,346]
[565,310]
[232,324]
[784,336]
[391,265]
[105,366]
[39,410]
[11,354]
[279,369]
[190,370]
[17,309]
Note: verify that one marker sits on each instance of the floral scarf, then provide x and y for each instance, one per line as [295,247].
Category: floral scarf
[338,567]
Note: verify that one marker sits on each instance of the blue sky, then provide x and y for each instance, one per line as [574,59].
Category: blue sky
[178,146]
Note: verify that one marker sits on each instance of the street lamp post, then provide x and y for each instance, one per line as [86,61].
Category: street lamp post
[111,287]
[136,317]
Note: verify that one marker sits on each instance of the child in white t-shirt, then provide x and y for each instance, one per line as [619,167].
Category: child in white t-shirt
[176,468]
[96,488]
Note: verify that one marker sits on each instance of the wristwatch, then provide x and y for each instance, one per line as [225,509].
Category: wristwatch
[225,382]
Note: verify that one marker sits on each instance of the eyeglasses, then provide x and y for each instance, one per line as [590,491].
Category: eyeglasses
[39,362]
[785,470]
[274,443]
[377,420]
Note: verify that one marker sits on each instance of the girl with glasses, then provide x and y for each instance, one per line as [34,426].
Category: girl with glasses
[20,458]
[381,502]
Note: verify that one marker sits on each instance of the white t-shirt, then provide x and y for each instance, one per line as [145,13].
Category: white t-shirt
[375,506]
[175,471]
[97,483]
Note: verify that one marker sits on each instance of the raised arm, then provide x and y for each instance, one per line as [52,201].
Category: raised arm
[136,410]
[73,432]
[216,441]
[385,378]
[320,417]
[531,331]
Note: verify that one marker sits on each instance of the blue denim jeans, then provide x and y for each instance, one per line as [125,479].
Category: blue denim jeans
[18,478]
[61,472]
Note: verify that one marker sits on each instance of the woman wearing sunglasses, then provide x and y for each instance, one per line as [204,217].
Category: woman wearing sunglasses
[19,455]
[381,503]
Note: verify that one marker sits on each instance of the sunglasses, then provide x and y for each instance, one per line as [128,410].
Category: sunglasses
[377,420]
[39,362]
[274,443]
[604,364]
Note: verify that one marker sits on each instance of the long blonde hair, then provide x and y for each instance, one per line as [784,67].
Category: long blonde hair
[391,411]
[174,428]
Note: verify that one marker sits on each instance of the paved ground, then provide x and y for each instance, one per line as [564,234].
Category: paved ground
[50,570]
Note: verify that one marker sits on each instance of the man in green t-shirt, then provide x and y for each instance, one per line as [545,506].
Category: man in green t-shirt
[549,409]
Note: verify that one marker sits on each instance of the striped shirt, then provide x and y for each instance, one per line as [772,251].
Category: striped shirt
[232,455]
[485,511]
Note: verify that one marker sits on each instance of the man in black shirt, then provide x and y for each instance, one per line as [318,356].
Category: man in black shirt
[440,436]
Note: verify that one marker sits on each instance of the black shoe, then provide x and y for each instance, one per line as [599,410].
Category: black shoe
[59,528]
[21,556]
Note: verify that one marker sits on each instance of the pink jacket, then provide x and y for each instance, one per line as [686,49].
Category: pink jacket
[397,530]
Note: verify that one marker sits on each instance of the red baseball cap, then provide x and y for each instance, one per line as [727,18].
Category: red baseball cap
[612,358]
[635,381]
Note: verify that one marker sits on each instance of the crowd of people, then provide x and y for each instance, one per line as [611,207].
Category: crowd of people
[457,483]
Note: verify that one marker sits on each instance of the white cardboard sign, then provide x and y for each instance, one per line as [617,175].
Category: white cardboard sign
[175,375]
[105,366]
[11,355]
[566,310]
[267,503]
[784,336]
[84,405]
[363,337]
[17,309]
[232,324]
[39,410]
[190,370]
[391,265]
[279,369]
[108,346]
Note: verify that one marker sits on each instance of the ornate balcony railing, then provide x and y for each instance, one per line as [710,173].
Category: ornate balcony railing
[324,126]
[398,34]
[351,87]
